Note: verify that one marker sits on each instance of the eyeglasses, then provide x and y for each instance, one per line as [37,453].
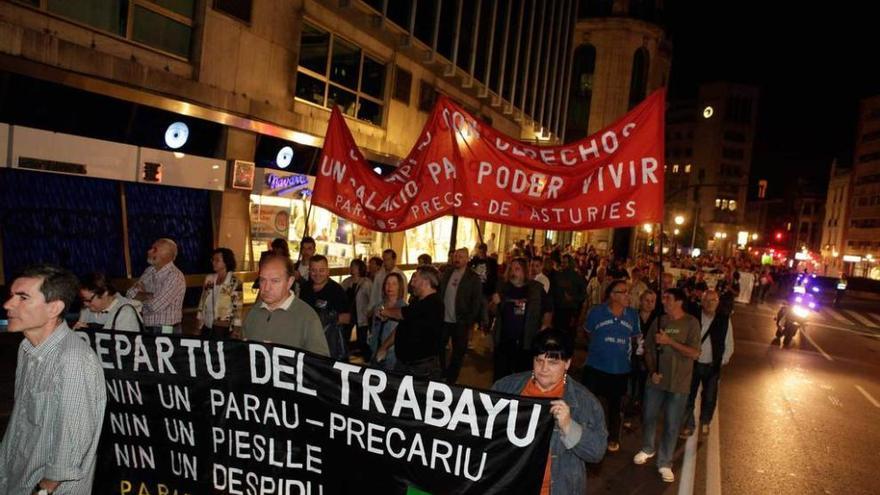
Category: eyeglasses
[618,292]
[90,299]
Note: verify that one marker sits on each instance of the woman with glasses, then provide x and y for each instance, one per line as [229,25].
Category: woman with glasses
[580,434]
[219,313]
[104,307]
[613,329]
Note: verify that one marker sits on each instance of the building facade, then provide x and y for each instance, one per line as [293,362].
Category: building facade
[834,224]
[710,142]
[862,231]
[200,98]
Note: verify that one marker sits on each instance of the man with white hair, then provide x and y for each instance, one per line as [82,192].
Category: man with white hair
[161,289]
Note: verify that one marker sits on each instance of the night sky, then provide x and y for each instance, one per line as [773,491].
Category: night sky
[812,67]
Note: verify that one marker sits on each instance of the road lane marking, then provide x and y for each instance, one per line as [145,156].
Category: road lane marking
[689,464]
[837,316]
[861,319]
[813,342]
[713,456]
[873,316]
[868,396]
[849,330]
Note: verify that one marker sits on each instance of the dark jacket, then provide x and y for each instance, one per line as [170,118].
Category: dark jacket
[586,442]
[468,298]
[534,313]
[718,337]
[568,288]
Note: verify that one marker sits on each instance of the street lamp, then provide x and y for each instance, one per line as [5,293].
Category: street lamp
[679,219]
[754,237]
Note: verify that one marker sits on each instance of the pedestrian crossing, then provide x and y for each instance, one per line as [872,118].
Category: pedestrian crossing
[867,320]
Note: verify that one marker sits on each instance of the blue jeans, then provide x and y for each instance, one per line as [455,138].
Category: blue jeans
[673,405]
[706,375]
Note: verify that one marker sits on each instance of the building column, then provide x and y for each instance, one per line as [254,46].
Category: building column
[234,225]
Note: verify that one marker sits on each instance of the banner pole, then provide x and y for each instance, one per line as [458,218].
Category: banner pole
[453,236]
[479,230]
[309,210]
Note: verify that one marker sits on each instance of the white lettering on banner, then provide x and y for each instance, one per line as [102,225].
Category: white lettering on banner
[466,128]
[249,407]
[160,354]
[609,141]
[426,142]
[438,407]
[379,440]
[647,167]
[448,170]
[251,446]
[133,425]
[274,370]
[180,432]
[502,208]
[235,481]
[609,211]
[174,397]
[519,181]
[333,168]
[134,456]
[184,465]
[125,391]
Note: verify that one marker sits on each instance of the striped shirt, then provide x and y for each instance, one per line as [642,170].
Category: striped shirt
[168,287]
[56,421]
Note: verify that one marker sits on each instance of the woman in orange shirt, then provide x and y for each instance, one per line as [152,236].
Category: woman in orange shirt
[579,435]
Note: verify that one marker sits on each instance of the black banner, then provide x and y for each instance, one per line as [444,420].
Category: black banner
[195,416]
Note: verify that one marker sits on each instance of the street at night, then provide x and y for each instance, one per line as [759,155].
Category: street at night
[430,247]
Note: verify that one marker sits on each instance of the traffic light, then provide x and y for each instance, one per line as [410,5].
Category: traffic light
[778,236]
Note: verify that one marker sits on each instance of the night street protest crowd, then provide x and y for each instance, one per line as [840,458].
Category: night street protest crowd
[653,337]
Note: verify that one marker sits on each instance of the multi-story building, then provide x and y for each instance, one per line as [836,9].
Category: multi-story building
[834,223]
[91,93]
[621,54]
[862,232]
[709,145]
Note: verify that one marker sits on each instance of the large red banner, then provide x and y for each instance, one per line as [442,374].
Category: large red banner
[461,166]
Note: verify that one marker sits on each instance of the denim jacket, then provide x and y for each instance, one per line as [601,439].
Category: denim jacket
[586,442]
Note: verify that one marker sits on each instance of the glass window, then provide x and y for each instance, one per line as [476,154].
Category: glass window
[354,81]
[639,78]
[107,15]
[182,7]
[399,12]
[240,9]
[313,50]
[161,32]
[310,89]
[370,111]
[345,64]
[373,80]
[346,100]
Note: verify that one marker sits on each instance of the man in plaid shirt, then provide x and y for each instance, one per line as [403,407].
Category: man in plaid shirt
[51,442]
[161,288]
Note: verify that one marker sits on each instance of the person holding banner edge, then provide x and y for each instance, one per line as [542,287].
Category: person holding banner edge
[580,435]
[51,440]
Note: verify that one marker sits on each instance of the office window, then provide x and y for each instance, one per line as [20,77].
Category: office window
[427,96]
[333,71]
[166,25]
[402,84]
[240,9]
